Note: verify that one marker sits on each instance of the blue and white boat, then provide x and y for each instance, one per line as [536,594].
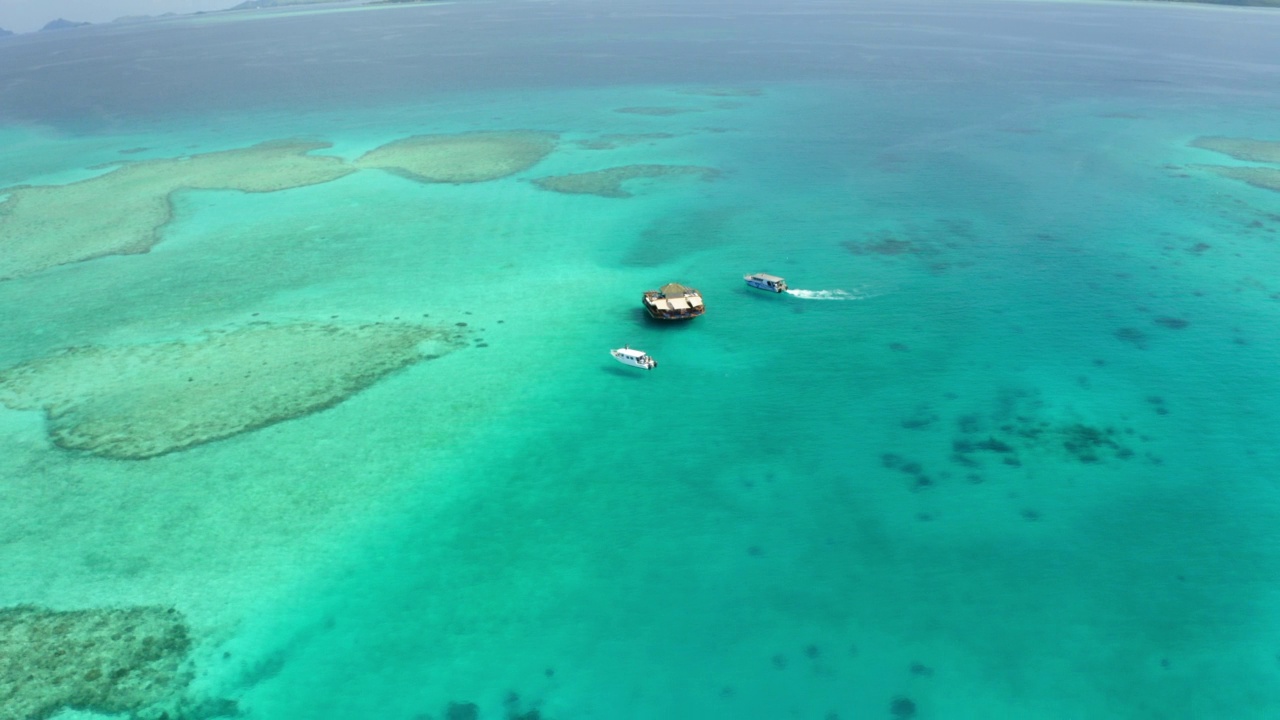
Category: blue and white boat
[772,283]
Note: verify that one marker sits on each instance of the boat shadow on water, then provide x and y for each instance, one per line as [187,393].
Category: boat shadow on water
[629,373]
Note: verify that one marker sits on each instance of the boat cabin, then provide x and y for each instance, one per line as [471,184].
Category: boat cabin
[674,301]
[766,282]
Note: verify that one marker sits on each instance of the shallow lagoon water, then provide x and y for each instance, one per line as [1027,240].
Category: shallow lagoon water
[1025,468]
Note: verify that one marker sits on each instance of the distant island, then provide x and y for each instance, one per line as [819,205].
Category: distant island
[61,24]
[142,18]
[1241,3]
[4,32]
[256,4]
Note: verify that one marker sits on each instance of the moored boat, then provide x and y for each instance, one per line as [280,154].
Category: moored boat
[766,282]
[674,301]
[634,358]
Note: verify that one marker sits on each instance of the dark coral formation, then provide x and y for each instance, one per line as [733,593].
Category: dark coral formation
[1085,442]
[902,708]
[942,245]
[1133,336]
[882,246]
[105,661]
[462,711]
[1172,323]
[1015,430]
[914,470]
[512,709]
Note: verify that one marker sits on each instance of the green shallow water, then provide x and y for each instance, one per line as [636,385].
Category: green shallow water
[1024,467]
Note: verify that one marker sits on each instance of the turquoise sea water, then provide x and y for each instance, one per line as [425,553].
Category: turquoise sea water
[1024,466]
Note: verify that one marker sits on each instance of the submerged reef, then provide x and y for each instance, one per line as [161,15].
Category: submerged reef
[464,158]
[139,401]
[612,141]
[881,246]
[942,244]
[1262,177]
[608,182]
[1246,149]
[902,707]
[104,660]
[673,235]
[656,111]
[122,211]
[1020,427]
[725,92]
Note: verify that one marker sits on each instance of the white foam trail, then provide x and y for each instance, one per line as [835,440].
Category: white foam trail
[827,294]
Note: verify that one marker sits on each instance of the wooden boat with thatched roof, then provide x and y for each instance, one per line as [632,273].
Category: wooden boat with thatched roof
[674,301]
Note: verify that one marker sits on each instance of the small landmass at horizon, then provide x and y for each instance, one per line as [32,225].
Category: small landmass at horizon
[62,24]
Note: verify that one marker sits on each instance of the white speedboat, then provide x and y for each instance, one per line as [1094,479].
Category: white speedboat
[634,358]
[766,282]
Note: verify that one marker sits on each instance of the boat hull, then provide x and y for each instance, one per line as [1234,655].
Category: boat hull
[657,314]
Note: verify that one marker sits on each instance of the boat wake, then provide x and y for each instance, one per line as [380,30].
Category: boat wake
[828,294]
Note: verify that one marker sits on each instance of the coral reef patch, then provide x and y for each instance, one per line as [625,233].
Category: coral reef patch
[512,709]
[1246,149]
[881,246]
[103,660]
[1266,178]
[608,182]
[140,401]
[1012,434]
[1133,336]
[462,158]
[122,211]
[902,708]
[941,244]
